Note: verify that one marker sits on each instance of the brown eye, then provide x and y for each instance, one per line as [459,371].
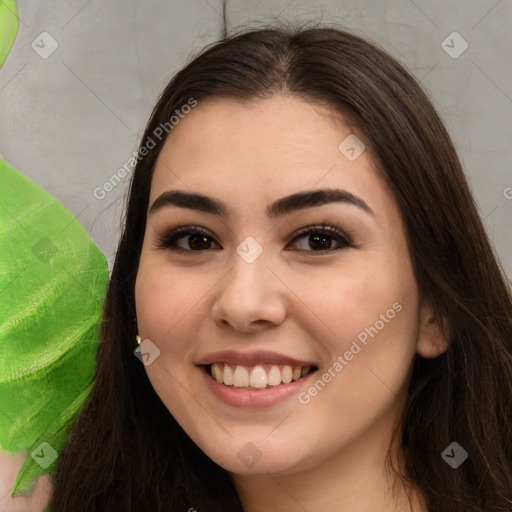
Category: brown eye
[195,239]
[319,239]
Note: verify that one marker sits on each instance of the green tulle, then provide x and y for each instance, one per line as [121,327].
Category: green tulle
[52,287]
[8,27]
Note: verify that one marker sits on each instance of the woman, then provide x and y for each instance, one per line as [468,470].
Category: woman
[356,356]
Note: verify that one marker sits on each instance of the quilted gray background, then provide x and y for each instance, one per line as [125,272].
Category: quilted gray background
[83,75]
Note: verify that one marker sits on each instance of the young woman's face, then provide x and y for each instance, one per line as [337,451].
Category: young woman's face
[255,293]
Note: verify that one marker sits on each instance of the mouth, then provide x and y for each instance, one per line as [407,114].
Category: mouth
[257,377]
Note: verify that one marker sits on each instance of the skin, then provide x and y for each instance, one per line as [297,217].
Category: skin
[35,500]
[327,454]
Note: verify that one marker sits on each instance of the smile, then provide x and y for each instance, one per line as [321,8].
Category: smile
[257,377]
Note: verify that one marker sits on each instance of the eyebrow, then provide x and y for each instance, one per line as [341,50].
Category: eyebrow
[279,208]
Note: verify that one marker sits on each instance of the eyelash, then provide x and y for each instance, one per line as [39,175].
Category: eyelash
[167,241]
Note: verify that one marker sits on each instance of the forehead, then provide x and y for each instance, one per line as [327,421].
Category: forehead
[263,148]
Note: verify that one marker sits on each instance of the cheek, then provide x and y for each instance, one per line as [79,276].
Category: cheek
[166,307]
[370,318]
[354,297]
[169,304]
[159,301]
[373,326]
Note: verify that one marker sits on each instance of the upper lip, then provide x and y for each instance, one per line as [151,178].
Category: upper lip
[251,358]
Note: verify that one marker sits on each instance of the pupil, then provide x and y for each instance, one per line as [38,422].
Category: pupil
[196,240]
[314,241]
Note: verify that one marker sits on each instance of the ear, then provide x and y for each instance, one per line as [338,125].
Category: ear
[433,334]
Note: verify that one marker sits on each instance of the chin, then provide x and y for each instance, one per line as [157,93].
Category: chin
[245,457]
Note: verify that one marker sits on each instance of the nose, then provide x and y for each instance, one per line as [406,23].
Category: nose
[250,297]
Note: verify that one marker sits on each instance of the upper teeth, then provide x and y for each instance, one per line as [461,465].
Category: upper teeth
[256,376]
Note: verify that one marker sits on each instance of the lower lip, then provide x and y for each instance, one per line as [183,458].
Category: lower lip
[256,399]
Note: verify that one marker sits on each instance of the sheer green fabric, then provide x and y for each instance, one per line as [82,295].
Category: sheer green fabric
[52,287]
[8,27]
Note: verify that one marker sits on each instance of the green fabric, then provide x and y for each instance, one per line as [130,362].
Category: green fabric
[52,287]
[8,27]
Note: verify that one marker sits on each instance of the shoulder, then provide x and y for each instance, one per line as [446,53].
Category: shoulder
[35,501]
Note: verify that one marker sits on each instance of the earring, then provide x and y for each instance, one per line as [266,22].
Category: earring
[139,339]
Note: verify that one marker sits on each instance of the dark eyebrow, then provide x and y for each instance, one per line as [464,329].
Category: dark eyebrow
[279,208]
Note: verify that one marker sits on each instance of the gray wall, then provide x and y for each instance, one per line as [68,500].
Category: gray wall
[70,120]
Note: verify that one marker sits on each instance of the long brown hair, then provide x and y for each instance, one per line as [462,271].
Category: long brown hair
[126,451]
